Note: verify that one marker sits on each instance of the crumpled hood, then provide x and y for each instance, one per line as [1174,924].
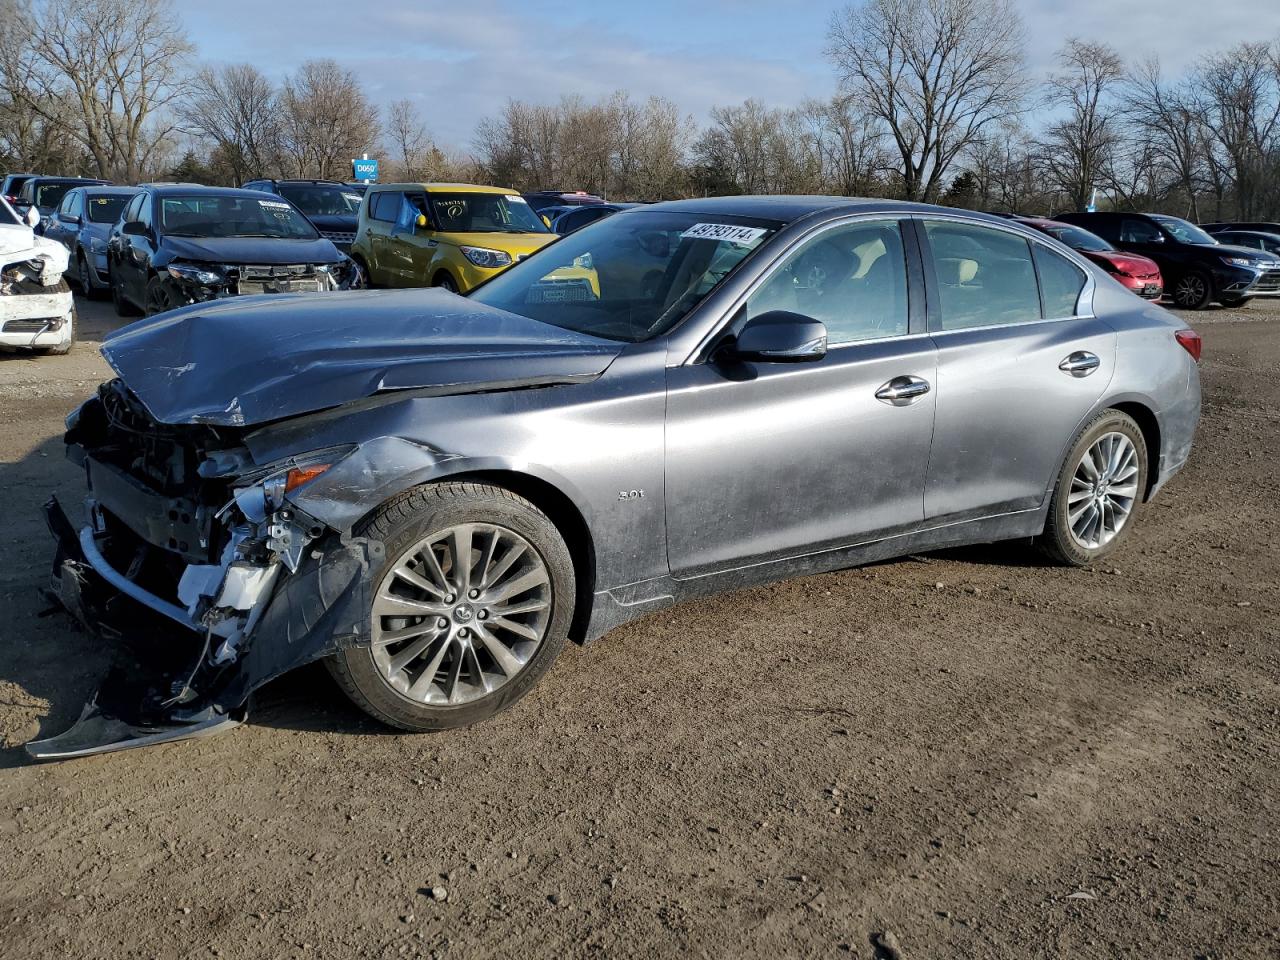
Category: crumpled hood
[250,360]
[19,243]
[254,250]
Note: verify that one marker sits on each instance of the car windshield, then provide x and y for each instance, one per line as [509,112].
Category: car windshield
[106,207]
[322,200]
[51,194]
[484,213]
[223,216]
[1079,239]
[1184,231]
[629,277]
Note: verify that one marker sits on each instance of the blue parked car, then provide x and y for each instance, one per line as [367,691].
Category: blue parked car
[81,224]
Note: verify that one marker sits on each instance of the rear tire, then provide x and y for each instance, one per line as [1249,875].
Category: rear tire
[1104,478]
[1193,290]
[437,659]
[83,278]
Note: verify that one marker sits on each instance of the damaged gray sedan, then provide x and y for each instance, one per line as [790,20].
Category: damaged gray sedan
[434,493]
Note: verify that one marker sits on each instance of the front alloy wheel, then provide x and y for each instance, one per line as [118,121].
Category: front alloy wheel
[460,614]
[471,604]
[160,297]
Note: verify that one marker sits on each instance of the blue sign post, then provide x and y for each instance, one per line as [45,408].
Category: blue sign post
[364,169]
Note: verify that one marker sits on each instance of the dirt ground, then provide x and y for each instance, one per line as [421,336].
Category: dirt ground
[982,755]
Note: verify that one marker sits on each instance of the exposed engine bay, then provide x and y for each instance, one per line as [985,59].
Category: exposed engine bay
[186,547]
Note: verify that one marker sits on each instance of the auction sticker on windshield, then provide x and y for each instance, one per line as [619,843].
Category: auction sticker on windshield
[515,199]
[274,204]
[723,231]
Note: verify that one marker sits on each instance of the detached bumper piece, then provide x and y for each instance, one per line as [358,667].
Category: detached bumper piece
[145,697]
[171,677]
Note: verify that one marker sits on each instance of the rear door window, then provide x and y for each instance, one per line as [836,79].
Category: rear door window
[984,277]
[1061,282]
[385,206]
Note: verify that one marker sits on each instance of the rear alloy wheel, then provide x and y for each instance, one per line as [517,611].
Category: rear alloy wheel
[472,604]
[1098,492]
[1193,291]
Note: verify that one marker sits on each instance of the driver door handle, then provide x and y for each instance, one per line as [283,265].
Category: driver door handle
[901,391]
[1080,364]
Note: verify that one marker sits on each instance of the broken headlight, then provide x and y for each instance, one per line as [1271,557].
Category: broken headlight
[279,483]
[192,273]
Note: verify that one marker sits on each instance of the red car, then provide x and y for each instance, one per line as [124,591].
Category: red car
[1139,274]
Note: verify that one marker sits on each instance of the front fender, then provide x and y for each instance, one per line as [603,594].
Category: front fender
[385,467]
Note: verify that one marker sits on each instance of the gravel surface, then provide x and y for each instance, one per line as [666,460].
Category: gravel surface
[962,754]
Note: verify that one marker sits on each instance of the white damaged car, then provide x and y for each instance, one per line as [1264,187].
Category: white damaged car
[36,309]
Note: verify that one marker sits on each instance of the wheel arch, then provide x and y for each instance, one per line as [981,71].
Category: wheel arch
[1142,410]
[342,497]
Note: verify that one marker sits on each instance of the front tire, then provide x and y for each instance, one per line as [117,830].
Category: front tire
[472,604]
[1098,493]
[160,298]
[124,307]
[1193,290]
[445,281]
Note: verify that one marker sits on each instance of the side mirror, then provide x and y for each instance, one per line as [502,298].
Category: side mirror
[31,217]
[780,336]
[134,228]
[70,220]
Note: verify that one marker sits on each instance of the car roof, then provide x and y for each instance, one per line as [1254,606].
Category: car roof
[100,188]
[87,181]
[194,189]
[1251,233]
[444,188]
[788,209]
[336,183]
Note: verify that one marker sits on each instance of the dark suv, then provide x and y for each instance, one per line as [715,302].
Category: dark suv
[1197,269]
[46,193]
[333,207]
[177,244]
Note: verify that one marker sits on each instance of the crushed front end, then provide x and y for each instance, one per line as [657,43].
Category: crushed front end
[194,563]
[36,309]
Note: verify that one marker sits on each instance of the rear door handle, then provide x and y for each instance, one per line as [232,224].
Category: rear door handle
[1080,364]
[901,391]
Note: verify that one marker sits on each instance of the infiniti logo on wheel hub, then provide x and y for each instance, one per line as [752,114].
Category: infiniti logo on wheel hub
[463,613]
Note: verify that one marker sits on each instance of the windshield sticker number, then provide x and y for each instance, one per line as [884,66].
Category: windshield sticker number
[512,198]
[273,204]
[743,236]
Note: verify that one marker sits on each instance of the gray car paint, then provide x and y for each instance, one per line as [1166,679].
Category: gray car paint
[675,474]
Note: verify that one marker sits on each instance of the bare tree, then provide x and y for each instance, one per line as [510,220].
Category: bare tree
[849,147]
[1242,101]
[1169,119]
[104,72]
[326,119]
[409,139]
[1078,146]
[936,72]
[234,108]
[758,150]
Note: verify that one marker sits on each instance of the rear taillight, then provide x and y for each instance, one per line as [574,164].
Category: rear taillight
[1190,341]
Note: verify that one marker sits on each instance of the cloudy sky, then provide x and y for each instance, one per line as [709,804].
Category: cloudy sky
[460,64]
